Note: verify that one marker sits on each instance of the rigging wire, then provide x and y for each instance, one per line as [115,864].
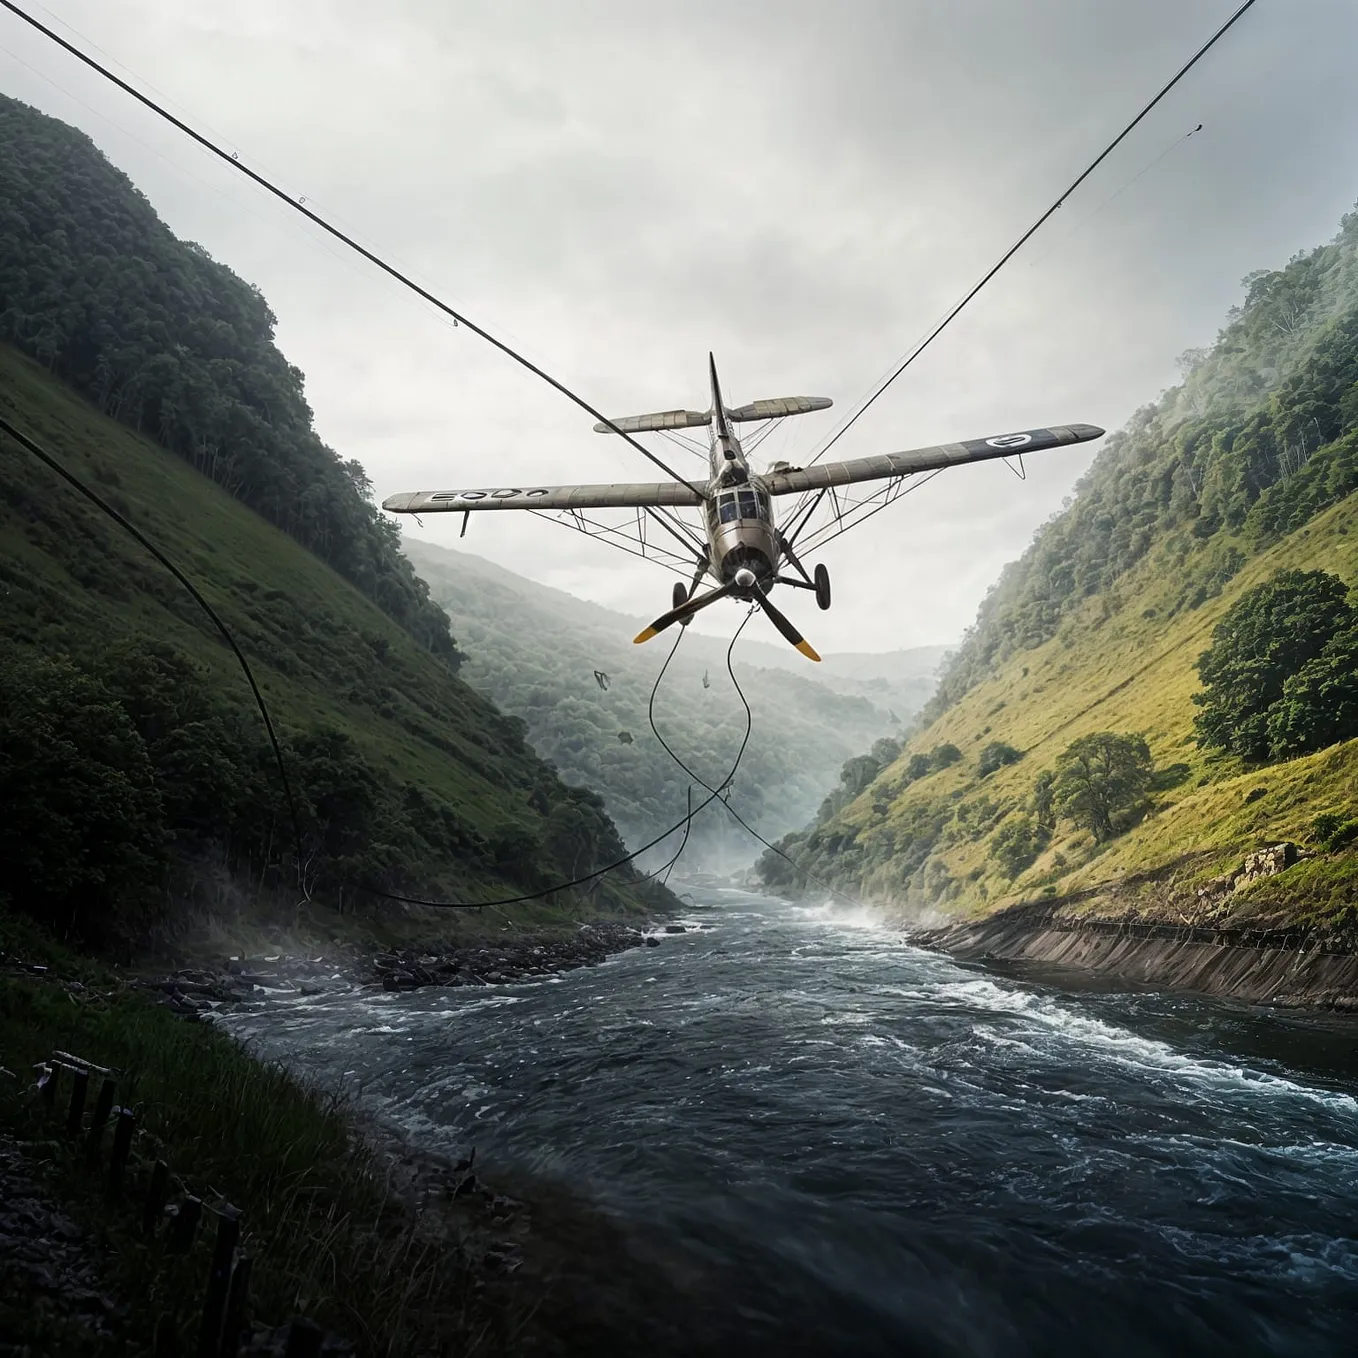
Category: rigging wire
[1031,231]
[372,257]
[1117,193]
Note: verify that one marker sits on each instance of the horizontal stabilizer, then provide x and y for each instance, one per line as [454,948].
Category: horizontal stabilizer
[664,419]
[778,407]
[623,495]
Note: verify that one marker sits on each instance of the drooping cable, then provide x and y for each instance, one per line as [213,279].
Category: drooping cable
[1031,231]
[636,853]
[93,496]
[726,782]
[297,206]
[31,446]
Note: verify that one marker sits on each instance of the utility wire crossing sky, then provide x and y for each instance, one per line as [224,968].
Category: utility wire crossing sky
[615,188]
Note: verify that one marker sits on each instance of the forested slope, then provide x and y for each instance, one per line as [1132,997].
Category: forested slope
[535,650]
[134,769]
[1089,649]
[169,342]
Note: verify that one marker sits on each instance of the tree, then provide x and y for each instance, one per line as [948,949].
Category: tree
[995,756]
[1319,704]
[1100,775]
[941,756]
[81,837]
[1266,637]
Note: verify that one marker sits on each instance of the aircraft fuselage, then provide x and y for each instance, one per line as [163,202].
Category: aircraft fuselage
[738,515]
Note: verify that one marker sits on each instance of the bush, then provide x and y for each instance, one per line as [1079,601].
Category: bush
[1332,831]
[1016,844]
[82,838]
[942,756]
[995,756]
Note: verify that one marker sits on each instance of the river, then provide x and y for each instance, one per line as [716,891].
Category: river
[863,1148]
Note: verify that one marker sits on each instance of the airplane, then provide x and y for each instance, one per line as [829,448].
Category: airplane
[746,548]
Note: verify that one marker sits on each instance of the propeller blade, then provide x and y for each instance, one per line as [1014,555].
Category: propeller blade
[786,628]
[685,610]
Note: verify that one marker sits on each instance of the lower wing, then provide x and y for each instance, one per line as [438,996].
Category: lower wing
[825,474]
[623,495]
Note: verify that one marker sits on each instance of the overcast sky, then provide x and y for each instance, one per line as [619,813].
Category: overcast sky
[804,188]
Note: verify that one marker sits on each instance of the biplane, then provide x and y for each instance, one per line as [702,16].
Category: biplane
[742,544]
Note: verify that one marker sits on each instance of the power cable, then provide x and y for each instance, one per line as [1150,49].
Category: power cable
[1029,233]
[128,526]
[269,186]
[749,721]
[599,872]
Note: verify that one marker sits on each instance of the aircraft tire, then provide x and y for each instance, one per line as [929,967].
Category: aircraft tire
[822,578]
[680,594]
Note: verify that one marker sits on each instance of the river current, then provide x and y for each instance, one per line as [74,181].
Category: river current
[870,1149]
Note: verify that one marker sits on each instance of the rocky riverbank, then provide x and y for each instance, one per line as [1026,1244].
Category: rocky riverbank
[198,989]
[1287,969]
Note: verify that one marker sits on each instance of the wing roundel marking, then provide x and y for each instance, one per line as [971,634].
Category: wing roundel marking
[1009,440]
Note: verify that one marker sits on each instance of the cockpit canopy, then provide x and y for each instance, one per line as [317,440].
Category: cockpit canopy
[745,503]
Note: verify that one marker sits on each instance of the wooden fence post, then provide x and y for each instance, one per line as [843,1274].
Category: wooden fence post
[48,1081]
[184,1225]
[80,1083]
[122,1148]
[236,1300]
[157,1195]
[304,1340]
[103,1106]
[218,1281]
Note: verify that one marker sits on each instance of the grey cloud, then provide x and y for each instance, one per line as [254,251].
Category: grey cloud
[803,188]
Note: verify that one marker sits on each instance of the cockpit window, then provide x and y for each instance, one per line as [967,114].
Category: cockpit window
[744,504]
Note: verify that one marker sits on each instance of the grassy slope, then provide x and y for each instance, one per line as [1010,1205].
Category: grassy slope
[326,1230]
[67,573]
[1121,666]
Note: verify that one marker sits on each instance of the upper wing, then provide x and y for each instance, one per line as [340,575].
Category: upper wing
[925,459]
[624,494]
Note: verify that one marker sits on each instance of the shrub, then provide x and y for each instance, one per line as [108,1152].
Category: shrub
[995,756]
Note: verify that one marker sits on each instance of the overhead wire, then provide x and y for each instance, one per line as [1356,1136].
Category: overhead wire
[1031,231]
[727,781]
[636,853]
[371,256]
[31,446]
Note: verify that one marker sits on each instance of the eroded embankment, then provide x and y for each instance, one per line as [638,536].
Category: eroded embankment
[1291,970]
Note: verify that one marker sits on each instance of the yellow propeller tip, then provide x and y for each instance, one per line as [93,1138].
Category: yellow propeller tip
[646,636]
[805,648]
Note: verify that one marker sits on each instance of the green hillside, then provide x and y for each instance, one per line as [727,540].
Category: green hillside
[124,720]
[1248,468]
[171,343]
[535,650]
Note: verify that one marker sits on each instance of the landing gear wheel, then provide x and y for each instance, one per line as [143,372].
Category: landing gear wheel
[680,594]
[822,578]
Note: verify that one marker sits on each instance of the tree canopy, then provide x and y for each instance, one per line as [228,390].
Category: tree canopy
[1101,775]
[1280,675]
[1260,436]
[165,339]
